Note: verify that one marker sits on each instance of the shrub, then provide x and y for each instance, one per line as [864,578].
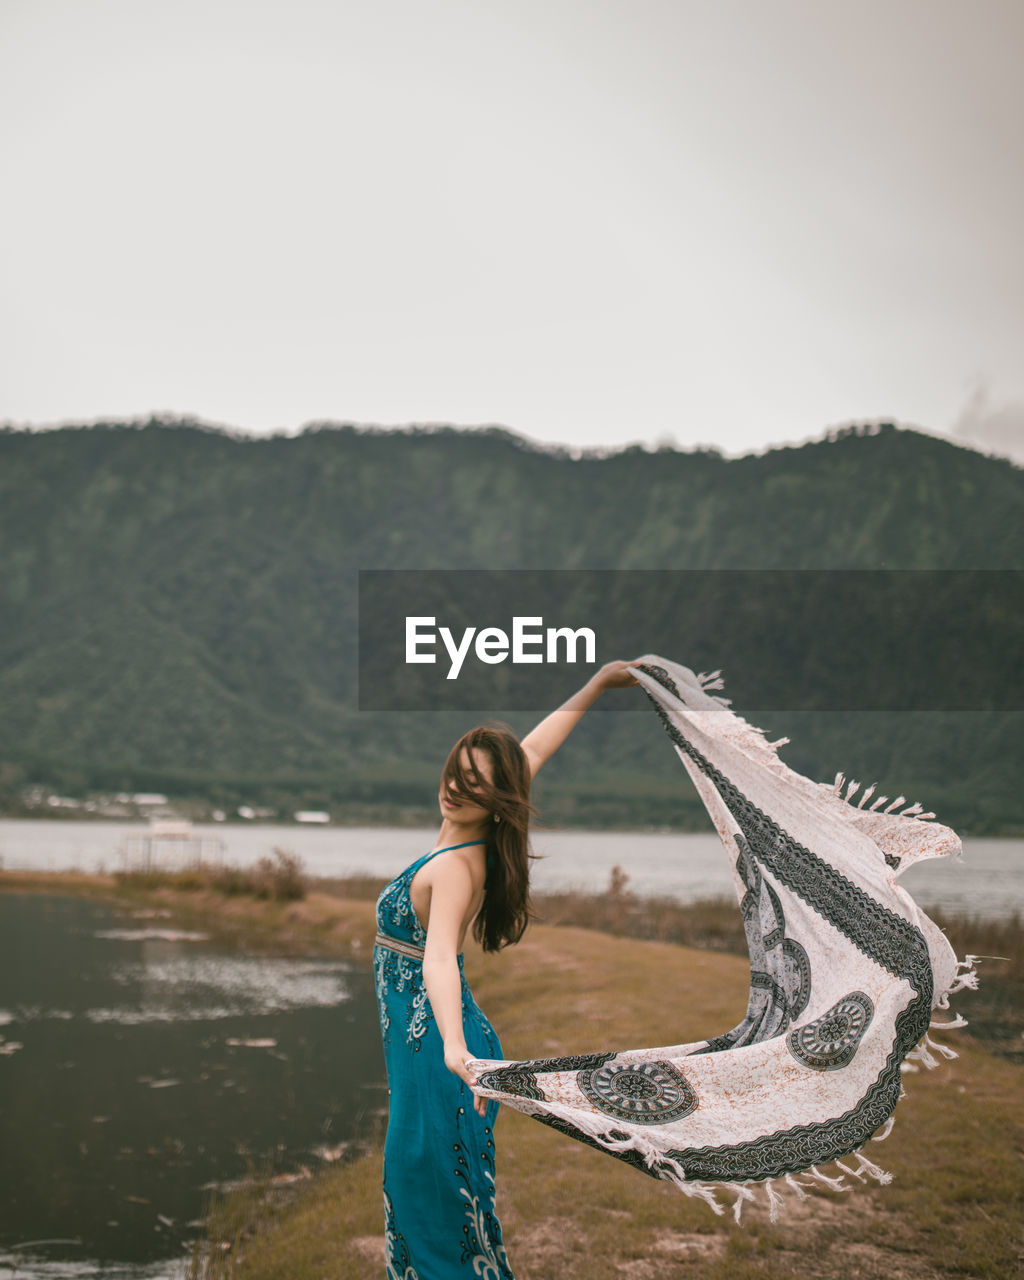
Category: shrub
[280,877]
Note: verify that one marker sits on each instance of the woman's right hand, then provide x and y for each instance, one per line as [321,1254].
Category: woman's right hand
[455,1059]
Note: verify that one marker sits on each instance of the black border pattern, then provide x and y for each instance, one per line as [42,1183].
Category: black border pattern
[521,1080]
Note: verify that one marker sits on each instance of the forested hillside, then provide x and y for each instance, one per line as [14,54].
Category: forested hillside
[178,604]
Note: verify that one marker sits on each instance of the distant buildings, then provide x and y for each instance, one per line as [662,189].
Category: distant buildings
[153,806]
[63,802]
[144,799]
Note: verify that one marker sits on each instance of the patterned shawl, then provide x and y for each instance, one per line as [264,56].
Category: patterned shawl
[845,971]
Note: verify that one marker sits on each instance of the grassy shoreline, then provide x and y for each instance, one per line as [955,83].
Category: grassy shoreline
[298,911]
[954,1209]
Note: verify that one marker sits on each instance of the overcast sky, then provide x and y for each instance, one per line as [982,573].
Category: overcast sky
[735,222]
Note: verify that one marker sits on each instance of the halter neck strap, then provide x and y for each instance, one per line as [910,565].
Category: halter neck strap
[449,848]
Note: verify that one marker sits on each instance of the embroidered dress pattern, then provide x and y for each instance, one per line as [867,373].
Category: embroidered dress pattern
[845,973]
[440,1221]
[396,1252]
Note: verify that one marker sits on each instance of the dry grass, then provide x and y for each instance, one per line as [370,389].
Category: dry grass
[281,877]
[996,1009]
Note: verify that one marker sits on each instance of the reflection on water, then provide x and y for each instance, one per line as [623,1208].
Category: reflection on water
[28,1264]
[143,935]
[139,1064]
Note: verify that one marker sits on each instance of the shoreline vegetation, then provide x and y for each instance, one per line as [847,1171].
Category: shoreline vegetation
[605,970]
[685,816]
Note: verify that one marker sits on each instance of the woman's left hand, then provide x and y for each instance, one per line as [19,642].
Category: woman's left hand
[617,675]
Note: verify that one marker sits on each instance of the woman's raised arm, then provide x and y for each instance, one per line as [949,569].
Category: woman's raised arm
[545,739]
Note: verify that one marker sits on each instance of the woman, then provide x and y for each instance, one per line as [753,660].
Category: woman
[439,1153]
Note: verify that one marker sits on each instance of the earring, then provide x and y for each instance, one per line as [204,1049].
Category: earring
[497,818]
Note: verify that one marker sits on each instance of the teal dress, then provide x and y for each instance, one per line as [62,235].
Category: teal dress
[439,1152]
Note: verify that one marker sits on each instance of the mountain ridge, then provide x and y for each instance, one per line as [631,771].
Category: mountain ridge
[179,602]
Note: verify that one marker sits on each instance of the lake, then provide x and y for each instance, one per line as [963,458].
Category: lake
[988,881]
[141,1063]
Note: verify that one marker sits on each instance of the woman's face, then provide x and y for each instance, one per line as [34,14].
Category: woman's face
[477,766]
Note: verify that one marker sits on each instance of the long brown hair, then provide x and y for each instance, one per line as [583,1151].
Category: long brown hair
[506,911]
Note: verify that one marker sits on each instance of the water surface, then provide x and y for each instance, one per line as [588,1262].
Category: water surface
[140,1063]
[988,881]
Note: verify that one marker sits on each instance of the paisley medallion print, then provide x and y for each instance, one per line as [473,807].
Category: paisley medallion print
[643,1092]
[830,1042]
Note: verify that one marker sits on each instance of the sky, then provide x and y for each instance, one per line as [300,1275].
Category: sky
[733,222]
